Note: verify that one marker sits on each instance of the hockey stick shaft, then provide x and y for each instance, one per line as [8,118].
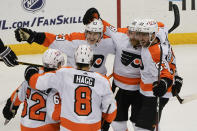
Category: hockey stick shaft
[187,99]
[115,92]
[157,98]
[25,63]
[175,25]
[176,18]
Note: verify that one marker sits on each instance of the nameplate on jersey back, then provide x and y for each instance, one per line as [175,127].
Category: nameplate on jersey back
[80,79]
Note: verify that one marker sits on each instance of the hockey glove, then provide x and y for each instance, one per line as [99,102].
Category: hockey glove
[176,87]
[7,113]
[30,71]
[90,15]
[24,34]
[8,56]
[160,88]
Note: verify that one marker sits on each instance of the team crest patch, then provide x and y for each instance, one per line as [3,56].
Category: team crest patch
[33,5]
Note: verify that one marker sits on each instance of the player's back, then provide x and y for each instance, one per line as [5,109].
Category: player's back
[35,114]
[85,95]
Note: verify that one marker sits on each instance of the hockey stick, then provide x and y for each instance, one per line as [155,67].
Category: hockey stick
[25,63]
[115,92]
[11,106]
[158,98]
[179,98]
[176,18]
[187,99]
[175,25]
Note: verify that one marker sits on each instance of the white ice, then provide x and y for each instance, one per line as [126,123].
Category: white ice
[175,117]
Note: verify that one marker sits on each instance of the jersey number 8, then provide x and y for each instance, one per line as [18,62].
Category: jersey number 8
[83,103]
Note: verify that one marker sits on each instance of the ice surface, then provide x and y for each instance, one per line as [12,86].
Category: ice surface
[175,117]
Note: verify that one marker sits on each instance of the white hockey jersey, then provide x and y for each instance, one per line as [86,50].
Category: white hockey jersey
[127,61]
[68,44]
[149,70]
[40,110]
[84,96]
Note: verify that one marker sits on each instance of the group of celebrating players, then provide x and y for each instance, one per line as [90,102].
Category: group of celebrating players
[79,97]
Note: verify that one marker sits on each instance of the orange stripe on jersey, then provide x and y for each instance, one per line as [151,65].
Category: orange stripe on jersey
[125,80]
[57,110]
[75,36]
[149,87]
[155,52]
[48,127]
[80,126]
[49,39]
[33,80]
[105,36]
[17,101]
[109,117]
[123,30]
[105,24]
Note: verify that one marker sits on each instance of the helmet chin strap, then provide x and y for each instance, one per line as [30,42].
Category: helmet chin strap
[151,41]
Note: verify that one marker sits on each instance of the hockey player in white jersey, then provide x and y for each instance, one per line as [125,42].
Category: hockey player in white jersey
[8,56]
[126,69]
[152,85]
[93,36]
[162,35]
[41,108]
[85,95]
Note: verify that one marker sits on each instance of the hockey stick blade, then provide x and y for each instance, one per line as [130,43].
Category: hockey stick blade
[176,18]
[179,99]
[186,99]
[25,63]
[189,98]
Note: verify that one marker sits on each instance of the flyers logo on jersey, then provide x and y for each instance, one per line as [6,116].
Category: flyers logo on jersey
[33,5]
[98,61]
[129,58]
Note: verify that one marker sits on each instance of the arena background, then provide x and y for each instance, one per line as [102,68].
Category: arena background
[65,16]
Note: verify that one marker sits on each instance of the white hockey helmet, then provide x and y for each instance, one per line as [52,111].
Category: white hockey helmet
[95,26]
[147,26]
[133,26]
[84,54]
[53,58]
